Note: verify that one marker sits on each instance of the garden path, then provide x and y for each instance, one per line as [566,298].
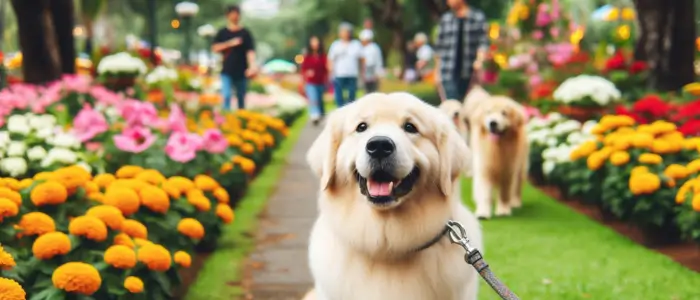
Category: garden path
[278,268]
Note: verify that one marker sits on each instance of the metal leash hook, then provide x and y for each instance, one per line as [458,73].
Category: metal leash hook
[458,235]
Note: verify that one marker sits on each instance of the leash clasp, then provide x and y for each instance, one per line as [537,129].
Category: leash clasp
[458,235]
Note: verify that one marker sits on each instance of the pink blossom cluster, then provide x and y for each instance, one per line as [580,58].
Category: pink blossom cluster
[547,15]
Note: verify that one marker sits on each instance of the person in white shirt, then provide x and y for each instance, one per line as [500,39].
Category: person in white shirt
[373,61]
[424,53]
[345,64]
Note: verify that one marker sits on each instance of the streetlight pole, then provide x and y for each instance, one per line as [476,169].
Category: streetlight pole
[187,10]
[207,32]
[154,29]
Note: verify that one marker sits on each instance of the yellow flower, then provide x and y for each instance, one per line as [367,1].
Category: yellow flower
[248,166]
[135,229]
[221,195]
[48,193]
[11,183]
[124,240]
[191,228]
[36,223]
[11,195]
[661,127]
[155,199]
[676,171]
[183,259]
[11,290]
[111,215]
[683,191]
[141,242]
[619,158]
[133,184]
[104,180]
[696,203]
[184,183]
[133,284]
[71,177]
[584,150]
[120,257]
[226,167]
[155,257]
[595,161]
[205,183]
[650,158]
[7,262]
[7,208]
[128,171]
[693,166]
[89,227]
[173,191]
[151,176]
[42,176]
[642,140]
[691,143]
[77,277]
[247,149]
[125,199]
[225,213]
[25,183]
[198,200]
[644,183]
[49,245]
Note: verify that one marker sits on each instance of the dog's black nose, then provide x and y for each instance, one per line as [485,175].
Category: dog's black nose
[380,147]
[493,126]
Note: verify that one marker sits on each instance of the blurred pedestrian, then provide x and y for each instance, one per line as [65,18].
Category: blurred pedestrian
[373,61]
[424,54]
[345,64]
[410,61]
[461,48]
[237,46]
[315,73]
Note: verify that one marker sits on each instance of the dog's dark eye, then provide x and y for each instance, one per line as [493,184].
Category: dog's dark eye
[504,113]
[410,128]
[456,115]
[361,127]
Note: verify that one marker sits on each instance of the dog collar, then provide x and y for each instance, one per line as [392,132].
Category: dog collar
[432,242]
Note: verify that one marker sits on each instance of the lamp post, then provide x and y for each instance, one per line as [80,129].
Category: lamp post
[207,32]
[153,33]
[187,10]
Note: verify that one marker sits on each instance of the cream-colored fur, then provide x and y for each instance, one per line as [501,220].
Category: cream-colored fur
[501,163]
[360,251]
[453,109]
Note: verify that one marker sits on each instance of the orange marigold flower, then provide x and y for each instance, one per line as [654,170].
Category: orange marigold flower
[7,208]
[77,277]
[133,284]
[120,257]
[7,262]
[183,259]
[88,227]
[142,242]
[48,193]
[248,166]
[124,240]
[71,177]
[247,149]
[151,176]
[221,195]
[91,187]
[226,167]
[11,290]
[199,200]
[135,229]
[225,213]
[11,195]
[125,199]
[97,197]
[128,171]
[11,183]
[184,183]
[133,184]
[25,183]
[51,244]
[36,223]
[205,183]
[191,228]
[43,176]
[104,180]
[173,191]
[111,215]
[155,257]
[155,199]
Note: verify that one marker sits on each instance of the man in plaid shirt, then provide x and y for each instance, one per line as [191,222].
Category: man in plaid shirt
[461,47]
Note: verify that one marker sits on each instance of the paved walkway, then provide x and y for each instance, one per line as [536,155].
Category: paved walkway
[278,269]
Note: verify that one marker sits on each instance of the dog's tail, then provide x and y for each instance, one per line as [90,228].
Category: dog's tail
[311,295]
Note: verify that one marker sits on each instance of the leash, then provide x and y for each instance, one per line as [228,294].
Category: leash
[458,235]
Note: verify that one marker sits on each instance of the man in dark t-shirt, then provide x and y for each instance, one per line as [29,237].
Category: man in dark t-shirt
[237,46]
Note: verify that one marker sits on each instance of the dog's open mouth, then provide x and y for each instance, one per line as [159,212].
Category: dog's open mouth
[496,134]
[383,188]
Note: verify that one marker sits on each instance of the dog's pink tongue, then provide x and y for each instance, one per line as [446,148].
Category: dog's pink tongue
[494,137]
[378,189]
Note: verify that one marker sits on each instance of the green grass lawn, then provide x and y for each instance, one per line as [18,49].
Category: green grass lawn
[220,276]
[548,251]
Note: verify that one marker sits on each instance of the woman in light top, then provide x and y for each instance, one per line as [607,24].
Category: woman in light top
[345,65]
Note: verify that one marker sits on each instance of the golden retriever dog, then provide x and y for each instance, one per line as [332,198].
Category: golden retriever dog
[500,154]
[453,109]
[388,166]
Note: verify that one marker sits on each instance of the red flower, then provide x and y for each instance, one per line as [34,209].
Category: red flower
[691,127]
[616,62]
[622,110]
[652,105]
[638,66]
[686,112]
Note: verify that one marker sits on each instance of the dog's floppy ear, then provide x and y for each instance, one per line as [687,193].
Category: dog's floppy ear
[519,115]
[322,153]
[455,158]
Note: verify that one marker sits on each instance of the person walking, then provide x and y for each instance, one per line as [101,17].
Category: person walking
[424,54]
[373,61]
[410,61]
[461,48]
[345,64]
[237,46]
[315,73]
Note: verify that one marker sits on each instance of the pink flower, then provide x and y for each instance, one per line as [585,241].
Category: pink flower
[183,146]
[543,17]
[535,80]
[104,96]
[532,112]
[214,141]
[219,118]
[76,83]
[138,113]
[554,31]
[177,121]
[556,10]
[537,34]
[93,146]
[134,139]
[89,123]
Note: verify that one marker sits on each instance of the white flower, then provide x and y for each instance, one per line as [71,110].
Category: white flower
[85,166]
[14,166]
[588,126]
[161,74]
[566,127]
[65,140]
[206,30]
[45,133]
[121,63]
[18,124]
[16,148]
[548,167]
[598,89]
[4,139]
[39,122]
[36,153]
[59,155]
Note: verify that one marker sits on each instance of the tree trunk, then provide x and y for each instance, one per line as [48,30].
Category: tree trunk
[63,16]
[667,42]
[40,56]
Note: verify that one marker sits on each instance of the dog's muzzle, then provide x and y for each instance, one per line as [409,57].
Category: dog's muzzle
[384,186]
